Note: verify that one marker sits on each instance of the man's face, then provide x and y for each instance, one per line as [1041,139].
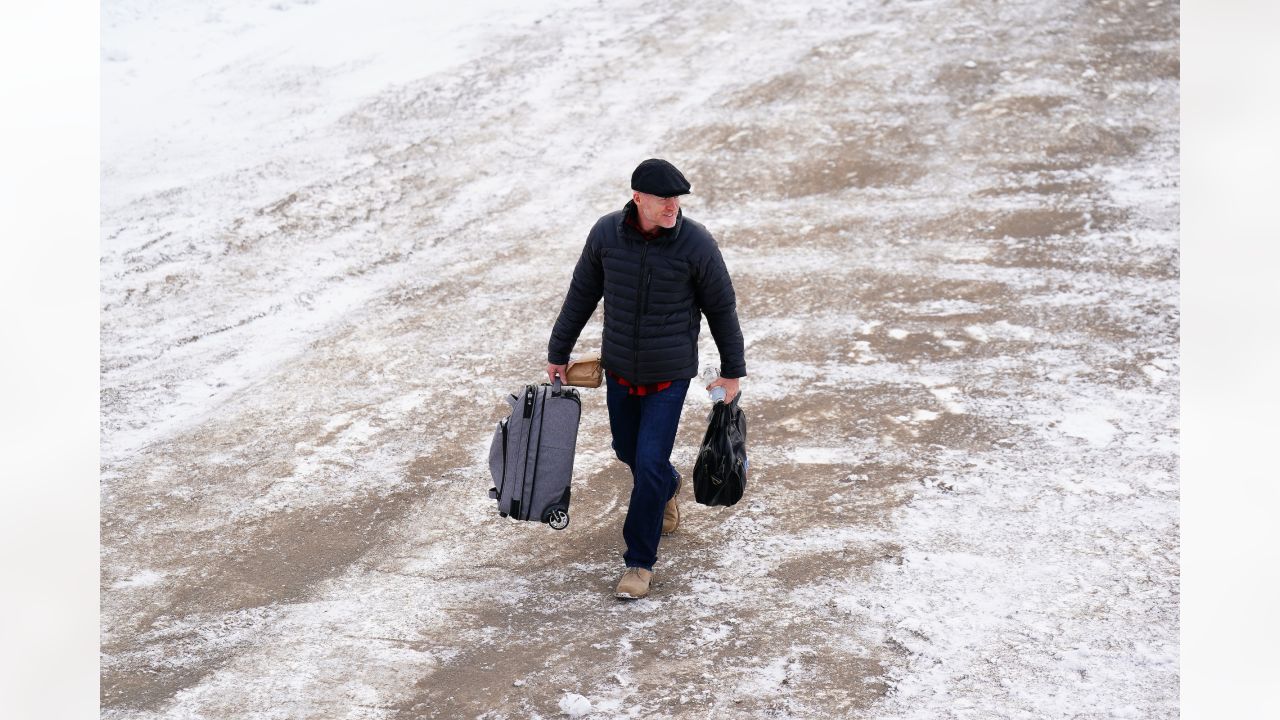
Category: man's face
[656,211]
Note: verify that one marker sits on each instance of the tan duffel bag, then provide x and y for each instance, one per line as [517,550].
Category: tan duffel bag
[584,372]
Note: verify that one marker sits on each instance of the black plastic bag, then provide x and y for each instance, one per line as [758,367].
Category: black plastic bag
[720,473]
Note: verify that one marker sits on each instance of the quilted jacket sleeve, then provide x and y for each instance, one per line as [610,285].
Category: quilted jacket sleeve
[585,291]
[714,293]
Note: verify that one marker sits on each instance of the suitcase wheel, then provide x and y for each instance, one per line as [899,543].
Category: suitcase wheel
[558,519]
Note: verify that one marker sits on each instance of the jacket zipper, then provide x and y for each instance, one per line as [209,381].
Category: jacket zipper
[642,288]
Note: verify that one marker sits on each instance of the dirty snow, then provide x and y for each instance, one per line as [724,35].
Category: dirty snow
[575,705]
[334,235]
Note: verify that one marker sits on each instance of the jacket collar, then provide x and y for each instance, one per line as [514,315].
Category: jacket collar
[630,220]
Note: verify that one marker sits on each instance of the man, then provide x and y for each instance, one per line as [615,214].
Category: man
[659,273]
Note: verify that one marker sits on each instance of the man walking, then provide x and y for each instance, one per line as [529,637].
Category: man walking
[659,273]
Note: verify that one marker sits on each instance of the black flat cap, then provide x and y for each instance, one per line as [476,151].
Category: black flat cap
[659,177]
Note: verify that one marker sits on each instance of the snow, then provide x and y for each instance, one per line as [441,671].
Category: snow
[575,705]
[201,89]
[144,578]
[1090,427]
[823,456]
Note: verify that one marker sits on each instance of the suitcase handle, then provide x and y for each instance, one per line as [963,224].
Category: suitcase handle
[556,385]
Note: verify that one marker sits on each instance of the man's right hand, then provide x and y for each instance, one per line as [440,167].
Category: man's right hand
[552,370]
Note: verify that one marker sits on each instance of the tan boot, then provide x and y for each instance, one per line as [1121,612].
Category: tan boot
[634,584]
[671,514]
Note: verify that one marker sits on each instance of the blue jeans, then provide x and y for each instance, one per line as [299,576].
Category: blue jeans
[644,431]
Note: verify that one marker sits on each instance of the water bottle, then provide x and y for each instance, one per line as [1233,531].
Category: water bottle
[709,375]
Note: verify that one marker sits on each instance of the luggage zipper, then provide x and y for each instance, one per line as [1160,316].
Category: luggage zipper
[533,484]
[528,435]
[503,424]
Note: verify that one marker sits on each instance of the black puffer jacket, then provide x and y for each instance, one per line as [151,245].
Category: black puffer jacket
[654,295]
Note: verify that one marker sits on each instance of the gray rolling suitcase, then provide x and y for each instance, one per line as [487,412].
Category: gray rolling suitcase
[531,458]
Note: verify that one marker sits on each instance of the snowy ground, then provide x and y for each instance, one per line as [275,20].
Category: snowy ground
[334,236]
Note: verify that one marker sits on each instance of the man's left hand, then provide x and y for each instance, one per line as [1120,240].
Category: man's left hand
[730,386]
